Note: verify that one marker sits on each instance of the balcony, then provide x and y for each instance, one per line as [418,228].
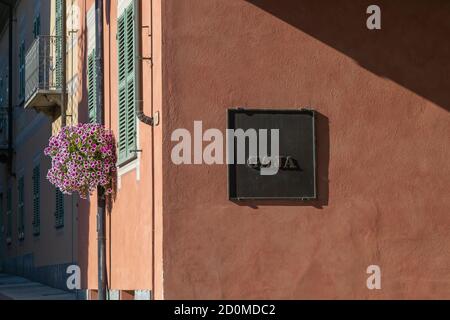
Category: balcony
[43,87]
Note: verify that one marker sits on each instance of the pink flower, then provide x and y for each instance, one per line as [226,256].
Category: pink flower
[83,158]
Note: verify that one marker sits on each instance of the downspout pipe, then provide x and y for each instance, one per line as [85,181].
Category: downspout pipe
[139,106]
[63,64]
[139,103]
[101,199]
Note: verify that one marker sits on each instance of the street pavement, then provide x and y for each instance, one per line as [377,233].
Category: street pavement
[17,288]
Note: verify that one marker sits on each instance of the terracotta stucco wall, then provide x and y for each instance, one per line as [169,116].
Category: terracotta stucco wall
[382,139]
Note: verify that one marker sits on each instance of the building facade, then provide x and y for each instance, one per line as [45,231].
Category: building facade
[39,229]
[130,220]
[382,149]
[382,126]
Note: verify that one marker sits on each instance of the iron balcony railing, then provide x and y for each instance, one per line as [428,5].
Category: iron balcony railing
[43,66]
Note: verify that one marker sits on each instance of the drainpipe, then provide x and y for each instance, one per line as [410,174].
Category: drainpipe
[101,200]
[139,106]
[139,103]
[10,93]
[63,64]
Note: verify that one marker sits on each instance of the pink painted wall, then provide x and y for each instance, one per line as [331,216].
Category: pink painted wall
[382,138]
[130,250]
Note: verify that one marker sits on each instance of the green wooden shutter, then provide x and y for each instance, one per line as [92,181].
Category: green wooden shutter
[22,70]
[59,213]
[121,37]
[131,112]
[1,92]
[59,39]
[1,218]
[21,209]
[127,112]
[37,26]
[36,201]
[9,214]
[92,89]
[34,29]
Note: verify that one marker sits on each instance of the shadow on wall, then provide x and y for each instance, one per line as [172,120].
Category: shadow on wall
[412,48]
[323,164]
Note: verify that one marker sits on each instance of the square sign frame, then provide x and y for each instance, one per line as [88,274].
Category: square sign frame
[294,182]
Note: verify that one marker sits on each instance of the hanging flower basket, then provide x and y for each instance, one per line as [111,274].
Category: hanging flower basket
[83,158]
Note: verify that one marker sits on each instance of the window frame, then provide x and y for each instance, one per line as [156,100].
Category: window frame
[59,209]
[22,71]
[37,26]
[92,88]
[21,208]
[36,201]
[9,216]
[59,38]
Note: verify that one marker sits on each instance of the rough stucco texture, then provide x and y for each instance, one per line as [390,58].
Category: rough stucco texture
[384,172]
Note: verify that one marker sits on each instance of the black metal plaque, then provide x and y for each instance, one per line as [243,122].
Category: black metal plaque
[295,177]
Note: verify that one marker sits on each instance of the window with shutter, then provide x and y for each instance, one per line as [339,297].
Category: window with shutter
[126,60]
[21,209]
[37,26]
[22,71]
[9,216]
[59,39]
[1,92]
[92,89]
[2,226]
[59,213]
[3,88]
[36,201]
